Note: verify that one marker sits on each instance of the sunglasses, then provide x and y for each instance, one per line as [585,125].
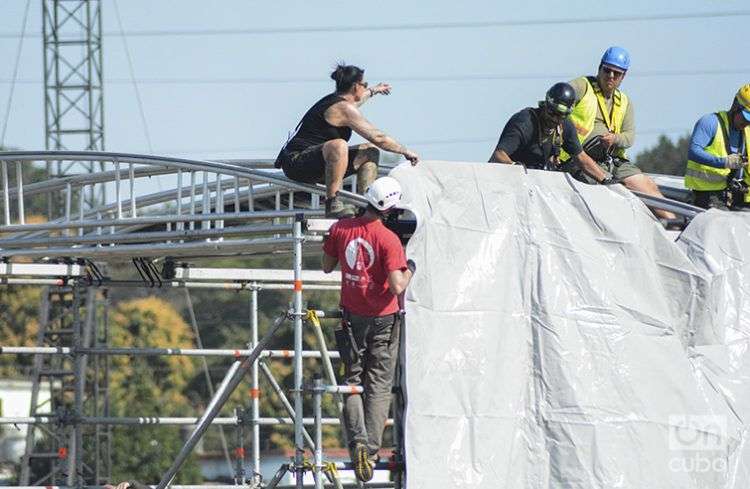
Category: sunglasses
[615,73]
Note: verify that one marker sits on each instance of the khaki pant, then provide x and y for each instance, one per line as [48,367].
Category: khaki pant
[370,362]
[621,172]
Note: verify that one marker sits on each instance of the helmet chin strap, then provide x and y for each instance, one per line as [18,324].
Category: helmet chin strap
[384,214]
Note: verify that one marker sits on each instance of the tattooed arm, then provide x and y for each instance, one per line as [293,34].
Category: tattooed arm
[347,114]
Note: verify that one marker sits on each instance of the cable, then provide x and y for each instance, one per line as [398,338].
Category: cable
[206,373]
[426,79]
[15,74]
[423,142]
[416,26]
[432,25]
[142,113]
[132,78]
[427,25]
[433,78]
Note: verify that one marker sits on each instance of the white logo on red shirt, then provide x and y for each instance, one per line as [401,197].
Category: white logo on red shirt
[355,254]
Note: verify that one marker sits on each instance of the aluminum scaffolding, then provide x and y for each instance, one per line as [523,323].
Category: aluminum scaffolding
[215,208]
[77,317]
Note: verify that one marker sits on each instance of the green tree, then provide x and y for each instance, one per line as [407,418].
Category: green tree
[19,306]
[149,386]
[145,453]
[224,322]
[665,157]
[19,323]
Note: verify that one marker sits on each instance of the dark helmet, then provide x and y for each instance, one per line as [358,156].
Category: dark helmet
[560,98]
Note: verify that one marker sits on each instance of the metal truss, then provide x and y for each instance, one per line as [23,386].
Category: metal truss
[73,80]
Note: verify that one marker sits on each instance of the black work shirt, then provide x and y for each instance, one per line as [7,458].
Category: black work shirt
[521,140]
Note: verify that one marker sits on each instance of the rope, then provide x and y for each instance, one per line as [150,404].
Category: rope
[132,78]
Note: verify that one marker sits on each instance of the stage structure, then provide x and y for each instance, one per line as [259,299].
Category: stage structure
[211,209]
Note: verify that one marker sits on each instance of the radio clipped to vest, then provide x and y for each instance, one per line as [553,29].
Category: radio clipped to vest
[346,344]
[737,192]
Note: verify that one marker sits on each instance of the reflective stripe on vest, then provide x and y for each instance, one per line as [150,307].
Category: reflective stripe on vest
[709,178]
[584,113]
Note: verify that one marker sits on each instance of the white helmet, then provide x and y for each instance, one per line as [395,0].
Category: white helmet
[384,193]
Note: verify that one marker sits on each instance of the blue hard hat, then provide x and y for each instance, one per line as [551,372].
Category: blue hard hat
[617,57]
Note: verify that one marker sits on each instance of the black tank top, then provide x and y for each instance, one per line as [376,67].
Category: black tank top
[314,129]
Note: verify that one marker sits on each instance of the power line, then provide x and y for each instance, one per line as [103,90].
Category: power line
[419,26]
[423,142]
[425,79]
[15,73]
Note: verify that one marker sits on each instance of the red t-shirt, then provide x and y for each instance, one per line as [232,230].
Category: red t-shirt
[367,252]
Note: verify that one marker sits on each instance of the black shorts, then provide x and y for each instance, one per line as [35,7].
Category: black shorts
[308,165]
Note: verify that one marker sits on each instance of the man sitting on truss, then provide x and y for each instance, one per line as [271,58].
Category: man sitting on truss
[374,272]
[317,150]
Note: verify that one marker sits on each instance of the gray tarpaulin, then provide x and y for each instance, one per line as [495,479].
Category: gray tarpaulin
[557,337]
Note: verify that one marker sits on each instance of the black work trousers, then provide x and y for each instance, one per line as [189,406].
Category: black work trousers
[713,199]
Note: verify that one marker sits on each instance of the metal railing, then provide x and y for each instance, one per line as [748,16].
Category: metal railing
[212,207]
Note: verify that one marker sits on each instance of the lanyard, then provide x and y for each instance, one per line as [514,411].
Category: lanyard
[724,127]
[603,106]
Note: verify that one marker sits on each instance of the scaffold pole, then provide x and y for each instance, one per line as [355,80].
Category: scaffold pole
[234,376]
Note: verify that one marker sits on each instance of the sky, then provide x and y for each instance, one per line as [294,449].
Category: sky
[231,78]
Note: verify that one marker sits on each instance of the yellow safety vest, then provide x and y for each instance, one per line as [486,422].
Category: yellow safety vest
[584,113]
[709,178]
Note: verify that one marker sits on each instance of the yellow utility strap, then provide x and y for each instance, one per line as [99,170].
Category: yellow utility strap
[330,467]
[312,316]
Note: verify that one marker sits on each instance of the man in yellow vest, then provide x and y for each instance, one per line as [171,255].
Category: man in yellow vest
[603,117]
[718,153]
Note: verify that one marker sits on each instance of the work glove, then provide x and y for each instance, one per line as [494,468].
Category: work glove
[734,161]
[411,266]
